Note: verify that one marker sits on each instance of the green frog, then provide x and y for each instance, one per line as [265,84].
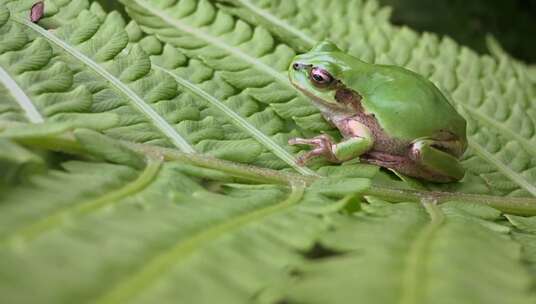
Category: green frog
[387,115]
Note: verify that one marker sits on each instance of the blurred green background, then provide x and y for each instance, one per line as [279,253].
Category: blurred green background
[511,22]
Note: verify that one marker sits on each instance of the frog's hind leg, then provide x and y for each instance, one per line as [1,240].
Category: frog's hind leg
[401,164]
[430,154]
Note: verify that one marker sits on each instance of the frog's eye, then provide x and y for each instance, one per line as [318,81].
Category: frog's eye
[320,77]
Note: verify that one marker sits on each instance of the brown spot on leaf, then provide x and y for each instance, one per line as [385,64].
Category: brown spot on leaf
[37,11]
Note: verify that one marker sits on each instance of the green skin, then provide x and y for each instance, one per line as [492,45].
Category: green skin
[387,115]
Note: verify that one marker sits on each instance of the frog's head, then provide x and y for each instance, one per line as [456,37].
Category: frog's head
[319,73]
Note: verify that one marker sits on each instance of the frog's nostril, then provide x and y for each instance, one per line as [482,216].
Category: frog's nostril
[296,66]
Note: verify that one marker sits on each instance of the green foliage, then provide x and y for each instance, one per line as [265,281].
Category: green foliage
[409,262]
[146,162]
[238,66]
[494,94]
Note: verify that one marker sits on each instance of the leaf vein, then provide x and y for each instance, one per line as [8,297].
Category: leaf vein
[24,101]
[138,102]
[413,276]
[508,172]
[529,147]
[156,267]
[277,22]
[211,40]
[58,218]
[240,122]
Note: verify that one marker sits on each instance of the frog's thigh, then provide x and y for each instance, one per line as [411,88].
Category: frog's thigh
[352,147]
[424,153]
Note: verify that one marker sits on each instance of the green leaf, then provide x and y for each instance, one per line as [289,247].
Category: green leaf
[84,73]
[24,102]
[18,163]
[494,94]
[105,148]
[169,219]
[80,38]
[408,264]
[240,122]
[99,204]
[526,236]
[189,224]
[241,71]
[10,109]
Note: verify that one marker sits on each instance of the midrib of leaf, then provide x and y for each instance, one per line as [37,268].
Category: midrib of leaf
[413,278]
[277,22]
[240,122]
[55,220]
[215,42]
[157,120]
[65,142]
[508,172]
[24,102]
[529,147]
[164,262]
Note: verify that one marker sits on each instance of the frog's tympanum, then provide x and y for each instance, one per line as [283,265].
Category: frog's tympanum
[387,115]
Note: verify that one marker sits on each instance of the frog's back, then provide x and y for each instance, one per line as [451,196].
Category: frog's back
[407,105]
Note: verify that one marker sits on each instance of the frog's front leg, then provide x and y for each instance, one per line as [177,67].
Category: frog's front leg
[322,145]
[347,149]
[426,153]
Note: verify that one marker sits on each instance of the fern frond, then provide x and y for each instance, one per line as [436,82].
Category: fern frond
[232,53]
[127,217]
[18,94]
[18,163]
[493,93]
[377,267]
[10,109]
[241,122]
[189,225]
[85,45]
[180,223]
[262,142]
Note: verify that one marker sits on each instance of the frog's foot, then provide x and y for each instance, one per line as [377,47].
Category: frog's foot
[322,145]
[425,153]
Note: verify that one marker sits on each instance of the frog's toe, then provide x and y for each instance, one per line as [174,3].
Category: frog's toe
[306,157]
[299,141]
[436,161]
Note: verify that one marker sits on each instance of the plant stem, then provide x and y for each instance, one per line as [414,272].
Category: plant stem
[512,205]
[248,172]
